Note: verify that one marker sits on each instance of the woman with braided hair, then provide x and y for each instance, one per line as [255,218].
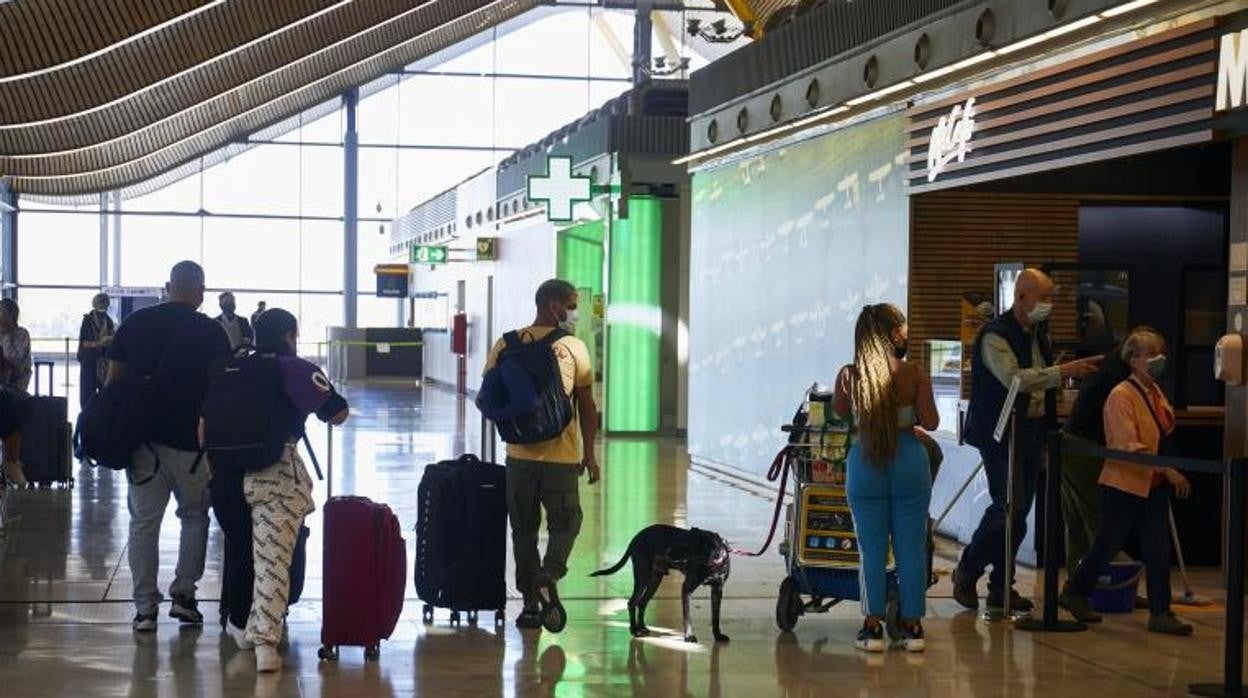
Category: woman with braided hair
[889,478]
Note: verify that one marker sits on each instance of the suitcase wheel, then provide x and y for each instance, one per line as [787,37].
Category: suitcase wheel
[327,653]
[426,614]
[454,617]
[472,618]
[372,653]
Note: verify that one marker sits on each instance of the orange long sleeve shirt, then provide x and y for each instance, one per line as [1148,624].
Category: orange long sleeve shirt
[1129,426]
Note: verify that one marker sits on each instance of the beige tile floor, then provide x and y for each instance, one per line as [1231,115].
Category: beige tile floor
[64,613]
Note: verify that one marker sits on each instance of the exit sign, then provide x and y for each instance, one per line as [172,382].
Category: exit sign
[422,254]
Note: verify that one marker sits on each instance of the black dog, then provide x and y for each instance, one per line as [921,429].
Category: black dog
[702,556]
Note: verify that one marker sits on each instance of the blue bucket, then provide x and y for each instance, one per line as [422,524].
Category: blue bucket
[1116,589]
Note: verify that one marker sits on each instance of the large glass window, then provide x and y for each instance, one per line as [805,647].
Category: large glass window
[266,221]
[58,248]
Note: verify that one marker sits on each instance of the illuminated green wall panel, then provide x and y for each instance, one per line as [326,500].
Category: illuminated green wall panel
[580,263]
[634,318]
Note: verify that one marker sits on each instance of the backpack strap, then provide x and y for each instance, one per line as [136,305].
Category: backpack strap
[554,336]
[512,340]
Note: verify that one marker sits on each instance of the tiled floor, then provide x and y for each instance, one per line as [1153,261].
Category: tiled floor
[64,613]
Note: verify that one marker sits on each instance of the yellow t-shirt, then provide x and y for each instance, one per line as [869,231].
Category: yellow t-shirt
[577,372]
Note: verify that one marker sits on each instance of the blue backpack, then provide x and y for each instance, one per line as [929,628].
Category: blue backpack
[523,393]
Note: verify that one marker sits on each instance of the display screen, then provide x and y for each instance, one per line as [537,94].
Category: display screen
[787,248]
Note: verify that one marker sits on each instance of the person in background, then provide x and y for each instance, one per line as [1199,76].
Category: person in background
[1014,345]
[15,371]
[260,308]
[1137,418]
[175,340]
[261,511]
[889,479]
[94,337]
[236,328]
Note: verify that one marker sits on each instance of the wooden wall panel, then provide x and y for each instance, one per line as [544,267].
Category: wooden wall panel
[956,238]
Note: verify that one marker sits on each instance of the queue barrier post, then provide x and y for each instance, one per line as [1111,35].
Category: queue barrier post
[1232,685]
[1049,622]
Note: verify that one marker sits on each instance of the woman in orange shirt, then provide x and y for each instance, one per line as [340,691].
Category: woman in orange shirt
[1137,417]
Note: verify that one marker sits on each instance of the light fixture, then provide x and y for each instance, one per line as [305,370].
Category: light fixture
[1129,7]
[881,93]
[955,67]
[1050,34]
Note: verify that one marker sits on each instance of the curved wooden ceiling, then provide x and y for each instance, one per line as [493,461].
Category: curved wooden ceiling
[97,95]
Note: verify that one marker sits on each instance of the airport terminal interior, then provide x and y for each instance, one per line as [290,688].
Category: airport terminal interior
[698,212]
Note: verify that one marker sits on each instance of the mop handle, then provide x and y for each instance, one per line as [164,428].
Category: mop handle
[1178,549]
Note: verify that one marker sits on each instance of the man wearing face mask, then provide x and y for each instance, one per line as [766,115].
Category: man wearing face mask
[1013,345]
[545,475]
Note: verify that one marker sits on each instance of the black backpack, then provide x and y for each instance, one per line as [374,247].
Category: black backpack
[523,393]
[120,419]
[245,413]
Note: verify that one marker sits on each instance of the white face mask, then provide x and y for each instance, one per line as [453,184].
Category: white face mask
[1041,312]
[568,324]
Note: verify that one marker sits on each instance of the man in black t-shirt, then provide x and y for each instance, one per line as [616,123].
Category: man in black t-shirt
[173,334]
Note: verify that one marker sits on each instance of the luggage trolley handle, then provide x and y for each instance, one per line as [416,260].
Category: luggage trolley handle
[51,377]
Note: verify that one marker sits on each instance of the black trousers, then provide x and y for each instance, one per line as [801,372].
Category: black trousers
[987,547]
[234,517]
[1122,512]
[88,383]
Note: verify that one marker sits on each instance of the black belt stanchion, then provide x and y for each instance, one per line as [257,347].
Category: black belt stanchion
[1049,622]
[1232,685]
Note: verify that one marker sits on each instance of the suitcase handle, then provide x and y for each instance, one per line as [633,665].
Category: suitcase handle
[51,377]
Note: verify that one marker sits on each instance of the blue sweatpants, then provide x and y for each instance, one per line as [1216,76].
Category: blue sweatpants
[891,503]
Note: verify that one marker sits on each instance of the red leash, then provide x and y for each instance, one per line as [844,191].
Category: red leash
[779,470]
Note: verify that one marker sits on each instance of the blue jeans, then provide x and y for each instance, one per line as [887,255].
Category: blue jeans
[892,503]
[988,544]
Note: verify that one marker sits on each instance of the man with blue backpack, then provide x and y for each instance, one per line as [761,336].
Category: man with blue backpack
[535,379]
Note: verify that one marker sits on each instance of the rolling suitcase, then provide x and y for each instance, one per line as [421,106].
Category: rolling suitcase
[461,539]
[365,573]
[46,436]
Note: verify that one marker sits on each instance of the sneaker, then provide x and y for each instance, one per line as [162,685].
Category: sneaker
[239,636]
[186,610]
[530,618]
[267,659]
[871,637]
[1169,624]
[964,591]
[554,616]
[910,636]
[144,623]
[13,472]
[1018,603]
[1077,606]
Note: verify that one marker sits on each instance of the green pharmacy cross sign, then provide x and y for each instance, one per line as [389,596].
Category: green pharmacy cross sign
[559,189]
[424,254]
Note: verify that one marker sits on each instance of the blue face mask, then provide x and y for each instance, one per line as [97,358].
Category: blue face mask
[1157,366]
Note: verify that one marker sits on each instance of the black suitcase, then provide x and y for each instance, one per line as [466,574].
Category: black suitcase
[461,539]
[46,436]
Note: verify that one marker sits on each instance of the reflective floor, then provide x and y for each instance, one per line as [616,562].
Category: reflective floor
[65,585]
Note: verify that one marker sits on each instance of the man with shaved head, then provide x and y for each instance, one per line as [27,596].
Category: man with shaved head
[1013,346]
[174,345]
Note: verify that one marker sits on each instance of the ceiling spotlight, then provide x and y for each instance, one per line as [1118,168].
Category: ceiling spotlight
[694,27]
[720,26]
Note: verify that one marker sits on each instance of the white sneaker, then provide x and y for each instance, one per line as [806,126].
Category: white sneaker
[267,659]
[13,471]
[239,636]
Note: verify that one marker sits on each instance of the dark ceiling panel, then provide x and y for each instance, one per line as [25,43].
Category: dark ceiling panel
[40,35]
[247,108]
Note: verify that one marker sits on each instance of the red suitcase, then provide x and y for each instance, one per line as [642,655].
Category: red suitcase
[365,574]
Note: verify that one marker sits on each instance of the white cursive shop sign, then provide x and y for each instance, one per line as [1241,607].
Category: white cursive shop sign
[951,139]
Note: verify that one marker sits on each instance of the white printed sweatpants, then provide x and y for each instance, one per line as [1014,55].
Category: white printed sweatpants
[280,496]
